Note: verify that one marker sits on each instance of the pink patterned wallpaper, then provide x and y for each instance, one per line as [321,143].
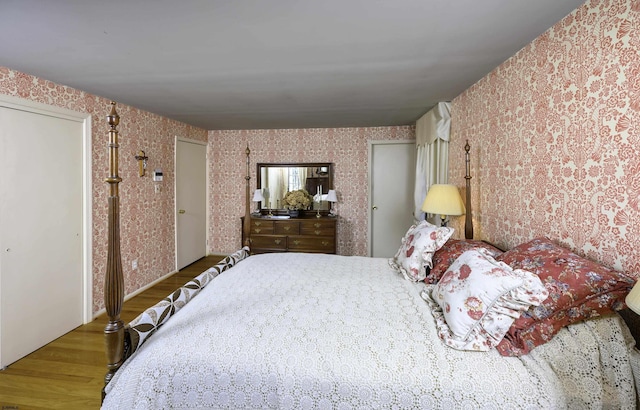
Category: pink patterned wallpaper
[147,219]
[555,151]
[555,136]
[346,148]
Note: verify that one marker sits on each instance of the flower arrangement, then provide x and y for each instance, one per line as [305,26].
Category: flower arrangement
[296,200]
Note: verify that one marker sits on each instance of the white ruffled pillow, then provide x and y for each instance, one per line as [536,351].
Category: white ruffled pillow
[418,246]
[477,299]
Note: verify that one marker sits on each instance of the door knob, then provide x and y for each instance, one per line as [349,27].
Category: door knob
[374,208]
[181,211]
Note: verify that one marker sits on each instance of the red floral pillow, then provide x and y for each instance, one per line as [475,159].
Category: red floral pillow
[578,289]
[450,251]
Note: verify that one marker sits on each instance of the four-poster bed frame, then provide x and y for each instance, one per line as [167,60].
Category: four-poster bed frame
[118,337]
[120,340]
[116,343]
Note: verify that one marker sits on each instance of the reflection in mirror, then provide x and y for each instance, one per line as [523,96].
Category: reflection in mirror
[276,180]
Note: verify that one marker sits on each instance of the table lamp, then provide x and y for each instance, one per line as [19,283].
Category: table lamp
[633,298]
[257,197]
[332,197]
[443,200]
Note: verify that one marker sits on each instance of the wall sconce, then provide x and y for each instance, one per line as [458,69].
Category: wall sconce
[443,199]
[142,162]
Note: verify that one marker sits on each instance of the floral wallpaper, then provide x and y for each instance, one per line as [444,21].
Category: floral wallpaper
[555,137]
[147,218]
[346,148]
[555,151]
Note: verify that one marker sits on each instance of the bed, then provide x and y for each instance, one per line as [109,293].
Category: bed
[329,331]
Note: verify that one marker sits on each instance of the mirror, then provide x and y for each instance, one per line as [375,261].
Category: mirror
[276,180]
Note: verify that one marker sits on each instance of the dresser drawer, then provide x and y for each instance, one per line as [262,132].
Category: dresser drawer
[308,234]
[312,244]
[261,227]
[288,228]
[318,228]
[269,242]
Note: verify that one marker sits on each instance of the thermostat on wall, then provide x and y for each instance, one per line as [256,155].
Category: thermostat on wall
[157,175]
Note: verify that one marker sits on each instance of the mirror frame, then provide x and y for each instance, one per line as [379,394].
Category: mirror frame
[283,211]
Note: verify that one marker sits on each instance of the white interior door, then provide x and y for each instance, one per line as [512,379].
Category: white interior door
[191,202]
[41,230]
[391,183]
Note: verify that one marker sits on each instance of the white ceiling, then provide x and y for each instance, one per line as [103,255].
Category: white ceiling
[253,64]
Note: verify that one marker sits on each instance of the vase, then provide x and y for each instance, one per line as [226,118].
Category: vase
[294,213]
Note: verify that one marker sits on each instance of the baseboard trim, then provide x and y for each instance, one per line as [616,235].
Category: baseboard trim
[138,291]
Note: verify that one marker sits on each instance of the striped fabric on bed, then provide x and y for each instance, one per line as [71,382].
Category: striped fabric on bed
[143,326]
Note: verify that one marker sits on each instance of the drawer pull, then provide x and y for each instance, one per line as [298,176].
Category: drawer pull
[257,223]
[286,228]
[317,225]
[296,242]
[258,230]
[317,232]
[277,241]
[325,243]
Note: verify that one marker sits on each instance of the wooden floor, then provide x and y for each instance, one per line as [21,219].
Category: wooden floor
[68,373]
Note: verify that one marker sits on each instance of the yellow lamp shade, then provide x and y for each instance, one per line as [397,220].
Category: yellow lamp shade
[633,298]
[443,199]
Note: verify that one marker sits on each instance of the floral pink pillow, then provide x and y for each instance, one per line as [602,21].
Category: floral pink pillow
[579,289]
[418,246]
[478,298]
[450,251]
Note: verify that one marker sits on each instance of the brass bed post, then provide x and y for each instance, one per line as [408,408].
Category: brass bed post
[246,226]
[113,280]
[468,221]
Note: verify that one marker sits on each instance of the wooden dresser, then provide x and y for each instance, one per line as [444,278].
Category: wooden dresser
[306,234]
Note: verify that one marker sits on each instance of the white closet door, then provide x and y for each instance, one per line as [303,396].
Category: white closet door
[41,205]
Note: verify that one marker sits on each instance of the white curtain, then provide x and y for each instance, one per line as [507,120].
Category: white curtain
[275,185]
[432,157]
[303,173]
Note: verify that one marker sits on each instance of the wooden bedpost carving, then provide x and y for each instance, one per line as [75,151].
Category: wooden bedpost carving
[468,222]
[113,280]
[246,226]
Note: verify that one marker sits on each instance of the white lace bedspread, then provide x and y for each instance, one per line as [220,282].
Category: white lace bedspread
[298,331]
